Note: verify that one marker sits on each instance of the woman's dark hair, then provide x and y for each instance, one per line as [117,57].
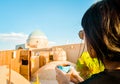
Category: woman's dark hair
[101,24]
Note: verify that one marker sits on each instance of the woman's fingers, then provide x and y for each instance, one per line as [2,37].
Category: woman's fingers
[61,76]
[75,76]
[74,80]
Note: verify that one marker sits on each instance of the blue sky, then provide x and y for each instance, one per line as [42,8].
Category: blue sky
[60,20]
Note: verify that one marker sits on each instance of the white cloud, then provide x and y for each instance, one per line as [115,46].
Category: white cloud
[13,37]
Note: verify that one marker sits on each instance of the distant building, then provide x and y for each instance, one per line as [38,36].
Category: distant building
[36,39]
[21,46]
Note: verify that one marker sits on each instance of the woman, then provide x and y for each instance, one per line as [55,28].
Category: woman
[101,24]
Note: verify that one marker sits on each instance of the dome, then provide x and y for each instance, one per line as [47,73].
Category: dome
[37,34]
[37,39]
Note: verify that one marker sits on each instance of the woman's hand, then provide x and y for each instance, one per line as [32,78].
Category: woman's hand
[62,77]
[74,77]
[65,78]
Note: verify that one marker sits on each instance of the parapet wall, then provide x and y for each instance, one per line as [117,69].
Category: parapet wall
[73,51]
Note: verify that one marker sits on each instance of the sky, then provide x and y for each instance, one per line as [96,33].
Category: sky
[59,20]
